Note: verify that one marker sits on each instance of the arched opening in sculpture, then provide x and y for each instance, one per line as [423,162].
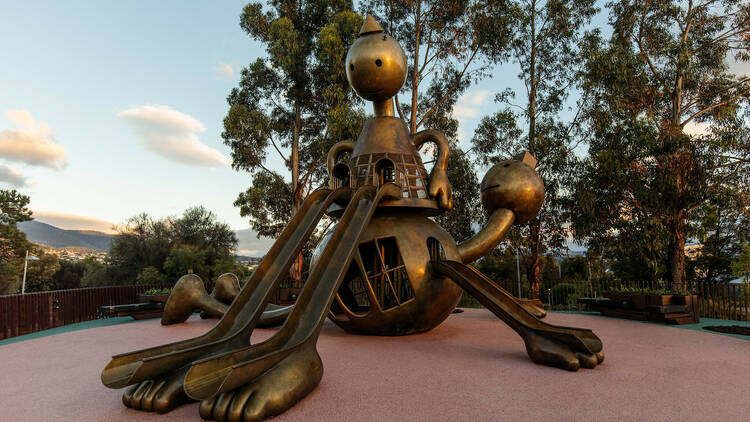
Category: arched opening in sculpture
[385,171]
[341,176]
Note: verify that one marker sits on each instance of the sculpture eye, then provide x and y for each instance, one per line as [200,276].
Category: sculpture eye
[351,67]
[378,62]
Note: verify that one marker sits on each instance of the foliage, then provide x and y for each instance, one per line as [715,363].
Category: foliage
[150,276]
[196,240]
[13,207]
[449,45]
[647,290]
[163,291]
[664,68]
[95,273]
[295,102]
[466,205]
[185,259]
[13,243]
[741,265]
[721,225]
[69,275]
[546,44]
[40,272]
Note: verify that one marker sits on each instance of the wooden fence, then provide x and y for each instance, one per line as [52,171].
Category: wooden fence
[32,312]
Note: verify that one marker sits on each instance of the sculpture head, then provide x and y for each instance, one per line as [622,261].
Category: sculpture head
[375,63]
[514,185]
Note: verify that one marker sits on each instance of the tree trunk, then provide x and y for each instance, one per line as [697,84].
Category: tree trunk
[534,275]
[532,82]
[677,256]
[534,272]
[295,271]
[415,75]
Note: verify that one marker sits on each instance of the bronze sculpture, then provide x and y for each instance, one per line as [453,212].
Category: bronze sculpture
[385,268]
[189,295]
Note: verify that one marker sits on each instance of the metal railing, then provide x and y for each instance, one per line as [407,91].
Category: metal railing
[729,301]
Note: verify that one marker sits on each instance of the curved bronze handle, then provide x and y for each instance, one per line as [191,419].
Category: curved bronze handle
[333,155]
[439,186]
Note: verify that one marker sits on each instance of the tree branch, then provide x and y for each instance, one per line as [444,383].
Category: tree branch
[286,160]
[458,80]
[707,109]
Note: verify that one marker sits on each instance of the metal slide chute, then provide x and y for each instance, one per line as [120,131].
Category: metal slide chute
[235,327]
[218,374]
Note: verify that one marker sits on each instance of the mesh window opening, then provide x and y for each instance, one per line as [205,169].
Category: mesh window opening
[385,274]
[436,249]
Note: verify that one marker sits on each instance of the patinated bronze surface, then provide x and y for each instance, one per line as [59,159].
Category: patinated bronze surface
[189,295]
[384,268]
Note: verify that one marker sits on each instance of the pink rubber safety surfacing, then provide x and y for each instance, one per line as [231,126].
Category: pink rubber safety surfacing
[471,367]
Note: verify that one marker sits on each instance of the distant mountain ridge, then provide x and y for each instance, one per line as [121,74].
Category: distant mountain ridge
[249,245]
[49,235]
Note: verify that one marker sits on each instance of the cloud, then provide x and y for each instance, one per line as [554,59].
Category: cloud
[249,244]
[75,222]
[173,135]
[12,177]
[33,143]
[469,105]
[224,70]
[697,128]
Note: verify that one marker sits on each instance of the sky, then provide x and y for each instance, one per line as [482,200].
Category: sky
[109,109]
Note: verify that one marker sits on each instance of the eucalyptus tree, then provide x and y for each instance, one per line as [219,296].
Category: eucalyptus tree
[449,46]
[669,122]
[294,103]
[546,44]
[13,244]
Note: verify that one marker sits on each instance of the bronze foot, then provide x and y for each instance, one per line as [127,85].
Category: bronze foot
[270,394]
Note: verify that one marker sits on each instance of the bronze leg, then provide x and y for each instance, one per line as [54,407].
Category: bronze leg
[563,347]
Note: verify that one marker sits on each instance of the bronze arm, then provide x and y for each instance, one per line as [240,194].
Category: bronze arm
[498,224]
[439,185]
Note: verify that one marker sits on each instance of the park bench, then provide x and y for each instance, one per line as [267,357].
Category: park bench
[135,310]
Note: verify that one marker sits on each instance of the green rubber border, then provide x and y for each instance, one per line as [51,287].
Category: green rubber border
[705,322]
[105,322]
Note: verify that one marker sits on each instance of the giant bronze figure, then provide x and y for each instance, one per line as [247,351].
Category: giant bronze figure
[385,268]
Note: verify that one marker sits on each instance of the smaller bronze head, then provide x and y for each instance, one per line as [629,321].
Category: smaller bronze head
[375,63]
[513,185]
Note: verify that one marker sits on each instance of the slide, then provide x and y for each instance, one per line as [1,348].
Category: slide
[214,375]
[507,308]
[235,327]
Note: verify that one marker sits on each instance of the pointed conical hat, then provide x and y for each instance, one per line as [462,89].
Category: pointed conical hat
[370,26]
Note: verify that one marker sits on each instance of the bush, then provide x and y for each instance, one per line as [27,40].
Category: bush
[150,276]
[164,291]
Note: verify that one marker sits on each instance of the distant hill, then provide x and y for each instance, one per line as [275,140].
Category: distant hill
[58,238]
[248,243]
